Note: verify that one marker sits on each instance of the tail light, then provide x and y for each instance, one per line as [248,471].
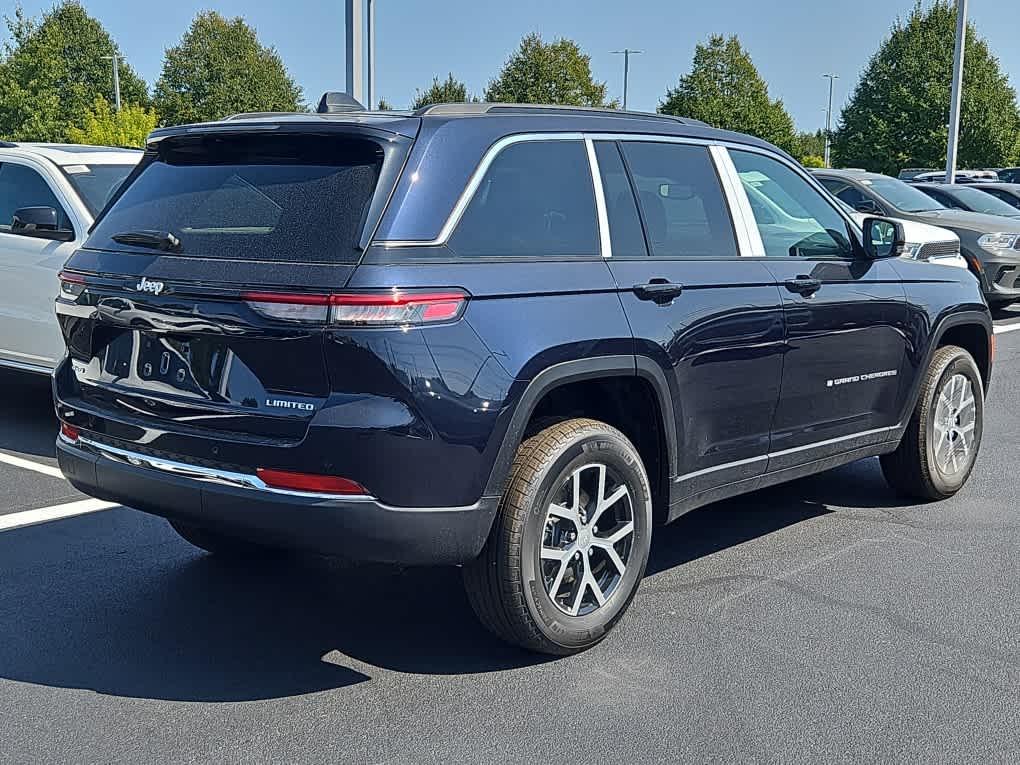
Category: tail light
[392,308]
[311,482]
[69,433]
[71,285]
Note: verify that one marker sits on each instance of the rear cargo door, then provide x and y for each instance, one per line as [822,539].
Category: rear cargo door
[200,300]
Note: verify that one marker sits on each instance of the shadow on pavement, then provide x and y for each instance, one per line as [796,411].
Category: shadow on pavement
[26,413]
[142,614]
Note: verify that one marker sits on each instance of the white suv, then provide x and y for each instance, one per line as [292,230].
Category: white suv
[49,196]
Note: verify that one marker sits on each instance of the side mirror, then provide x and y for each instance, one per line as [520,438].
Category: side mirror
[868,207]
[883,238]
[40,223]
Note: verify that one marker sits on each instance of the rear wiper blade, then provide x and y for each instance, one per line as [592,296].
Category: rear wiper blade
[157,240]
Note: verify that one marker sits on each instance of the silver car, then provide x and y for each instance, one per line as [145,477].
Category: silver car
[49,196]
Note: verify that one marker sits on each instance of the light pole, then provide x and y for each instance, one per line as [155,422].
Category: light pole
[627,52]
[954,106]
[356,50]
[116,78]
[371,55]
[828,117]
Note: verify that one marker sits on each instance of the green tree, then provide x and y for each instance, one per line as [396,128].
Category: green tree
[102,126]
[52,70]
[220,68]
[897,115]
[450,91]
[807,144]
[384,105]
[547,73]
[725,90]
[813,160]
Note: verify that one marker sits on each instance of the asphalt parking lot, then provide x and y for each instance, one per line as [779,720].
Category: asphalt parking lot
[824,620]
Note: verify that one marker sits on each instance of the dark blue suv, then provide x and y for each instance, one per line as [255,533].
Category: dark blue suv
[509,337]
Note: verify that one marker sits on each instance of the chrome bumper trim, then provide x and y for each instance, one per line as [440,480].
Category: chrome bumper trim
[198,473]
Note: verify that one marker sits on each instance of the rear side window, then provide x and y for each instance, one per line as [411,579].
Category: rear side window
[682,203]
[536,200]
[277,198]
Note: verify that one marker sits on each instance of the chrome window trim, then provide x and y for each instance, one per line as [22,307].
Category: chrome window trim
[749,239]
[475,181]
[601,211]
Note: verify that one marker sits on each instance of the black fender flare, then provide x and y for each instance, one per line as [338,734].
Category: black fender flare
[956,319]
[575,371]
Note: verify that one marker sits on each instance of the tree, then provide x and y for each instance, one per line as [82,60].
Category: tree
[813,160]
[725,90]
[53,69]
[451,91]
[384,105]
[897,115]
[102,126]
[547,73]
[220,68]
[807,144]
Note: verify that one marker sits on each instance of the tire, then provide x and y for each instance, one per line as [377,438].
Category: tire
[219,544]
[523,595]
[921,466]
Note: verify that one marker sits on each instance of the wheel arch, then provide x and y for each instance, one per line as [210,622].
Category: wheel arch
[589,370]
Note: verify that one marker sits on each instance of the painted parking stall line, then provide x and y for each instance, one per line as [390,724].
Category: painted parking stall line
[1003,328]
[38,467]
[54,513]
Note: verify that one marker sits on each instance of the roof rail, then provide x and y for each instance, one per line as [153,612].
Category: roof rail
[255,115]
[466,109]
[7,145]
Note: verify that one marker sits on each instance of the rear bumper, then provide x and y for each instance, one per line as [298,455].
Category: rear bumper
[357,528]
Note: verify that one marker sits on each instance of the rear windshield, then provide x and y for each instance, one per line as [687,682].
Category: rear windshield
[278,198]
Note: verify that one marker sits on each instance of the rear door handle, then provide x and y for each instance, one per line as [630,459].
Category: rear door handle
[804,285]
[658,291]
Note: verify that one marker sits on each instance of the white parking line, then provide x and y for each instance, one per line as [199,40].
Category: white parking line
[54,513]
[39,467]
[1002,328]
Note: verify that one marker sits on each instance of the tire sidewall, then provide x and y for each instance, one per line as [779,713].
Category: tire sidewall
[960,363]
[573,632]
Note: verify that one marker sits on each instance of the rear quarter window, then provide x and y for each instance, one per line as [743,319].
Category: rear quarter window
[535,200]
[290,198]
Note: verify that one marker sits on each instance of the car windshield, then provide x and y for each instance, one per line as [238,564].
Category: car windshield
[902,196]
[96,184]
[983,202]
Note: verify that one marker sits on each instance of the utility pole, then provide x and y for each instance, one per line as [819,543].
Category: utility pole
[954,107]
[828,118]
[371,55]
[356,50]
[627,52]
[116,78]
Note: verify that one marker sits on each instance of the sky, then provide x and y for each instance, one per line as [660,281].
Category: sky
[792,42]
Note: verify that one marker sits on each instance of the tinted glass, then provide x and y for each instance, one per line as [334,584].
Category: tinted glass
[794,218]
[982,202]
[682,203]
[22,186]
[624,222]
[943,199]
[1005,196]
[1010,176]
[536,199]
[901,195]
[96,184]
[279,198]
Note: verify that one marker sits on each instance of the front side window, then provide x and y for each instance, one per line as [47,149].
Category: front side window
[21,186]
[681,200]
[536,200]
[793,218]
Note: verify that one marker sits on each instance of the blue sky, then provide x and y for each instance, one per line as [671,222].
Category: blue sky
[792,42]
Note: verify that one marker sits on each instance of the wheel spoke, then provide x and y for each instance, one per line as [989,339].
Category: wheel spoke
[563,512]
[600,597]
[624,530]
[619,493]
[554,588]
[558,553]
[606,546]
[575,604]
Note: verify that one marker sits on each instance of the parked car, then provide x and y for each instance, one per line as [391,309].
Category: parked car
[49,194]
[921,241]
[962,176]
[909,173]
[967,198]
[1009,175]
[989,243]
[508,337]
[1005,192]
